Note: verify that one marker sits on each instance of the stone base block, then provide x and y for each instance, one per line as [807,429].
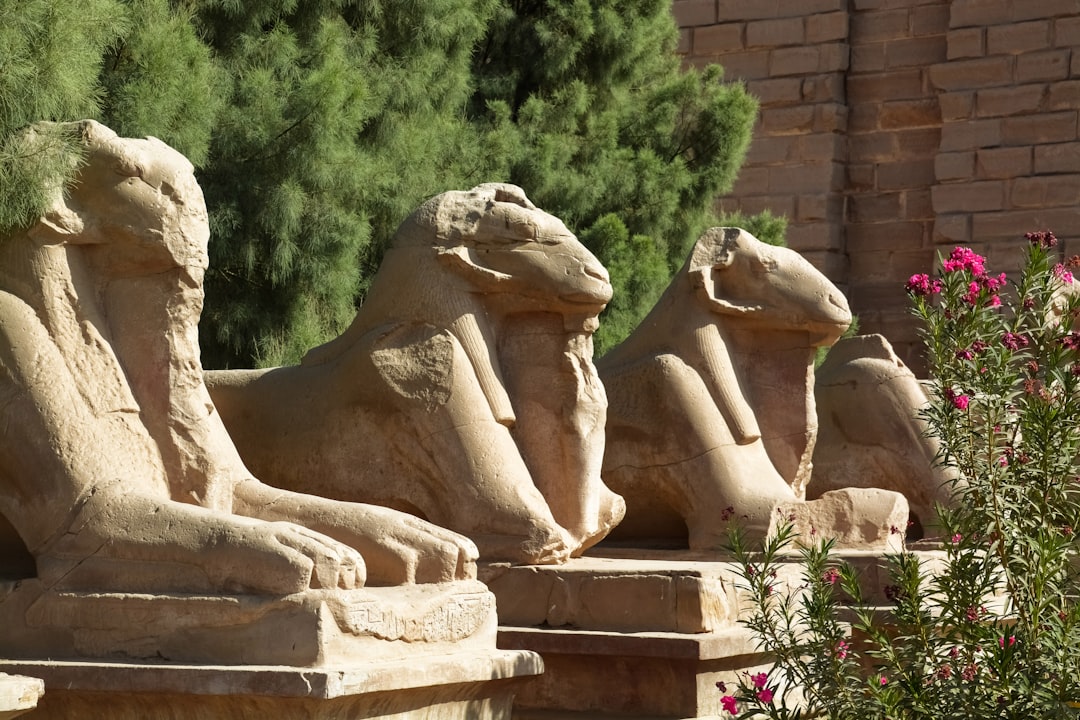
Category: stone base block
[314,628]
[639,590]
[639,634]
[18,695]
[631,675]
[661,592]
[456,686]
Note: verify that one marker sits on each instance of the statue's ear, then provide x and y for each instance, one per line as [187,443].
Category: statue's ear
[715,249]
[512,194]
[715,252]
[460,261]
[59,224]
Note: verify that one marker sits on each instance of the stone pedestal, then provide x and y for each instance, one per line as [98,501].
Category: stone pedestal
[456,686]
[313,628]
[658,675]
[642,636]
[18,695]
[422,652]
[635,634]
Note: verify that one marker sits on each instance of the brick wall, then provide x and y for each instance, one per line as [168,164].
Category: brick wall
[892,129]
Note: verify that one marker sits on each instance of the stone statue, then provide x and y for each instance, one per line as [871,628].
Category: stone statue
[870,433]
[116,471]
[711,410]
[464,390]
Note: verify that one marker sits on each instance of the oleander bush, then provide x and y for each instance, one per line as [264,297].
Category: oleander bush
[994,632]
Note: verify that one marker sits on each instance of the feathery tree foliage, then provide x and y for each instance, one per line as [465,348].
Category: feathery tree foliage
[599,125]
[318,125]
[50,58]
[341,117]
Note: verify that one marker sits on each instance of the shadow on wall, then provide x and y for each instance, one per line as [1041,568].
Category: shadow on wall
[16,562]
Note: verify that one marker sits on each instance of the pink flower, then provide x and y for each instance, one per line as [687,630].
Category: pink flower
[993,283]
[1014,341]
[759,680]
[957,538]
[884,680]
[921,284]
[1006,456]
[990,283]
[972,296]
[1002,641]
[1062,274]
[765,695]
[963,258]
[1043,238]
[831,576]
[729,704]
[960,402]
[841,650]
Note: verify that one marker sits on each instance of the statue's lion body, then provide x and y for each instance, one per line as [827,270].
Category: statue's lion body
[711,406]
[115,470]
[464,390]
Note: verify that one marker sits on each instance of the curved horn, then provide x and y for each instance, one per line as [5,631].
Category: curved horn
[480,350]
[59,224]
[716,250]
[457,259]
[719,376]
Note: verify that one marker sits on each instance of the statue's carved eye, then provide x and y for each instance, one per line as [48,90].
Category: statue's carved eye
[521,229]
[765,264]
[126,167]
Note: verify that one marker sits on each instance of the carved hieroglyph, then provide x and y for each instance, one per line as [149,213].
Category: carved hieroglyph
[711,398]
[464,390]
[115,469]
[870,434]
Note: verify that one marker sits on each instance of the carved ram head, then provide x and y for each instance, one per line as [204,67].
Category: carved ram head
[733,273]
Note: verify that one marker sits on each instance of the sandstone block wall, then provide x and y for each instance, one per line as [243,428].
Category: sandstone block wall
[893,129]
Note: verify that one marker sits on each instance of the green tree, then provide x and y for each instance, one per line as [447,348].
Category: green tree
[318,125]
[160,79]
[340,118]
[50,56]
[343,116]
[595,119]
